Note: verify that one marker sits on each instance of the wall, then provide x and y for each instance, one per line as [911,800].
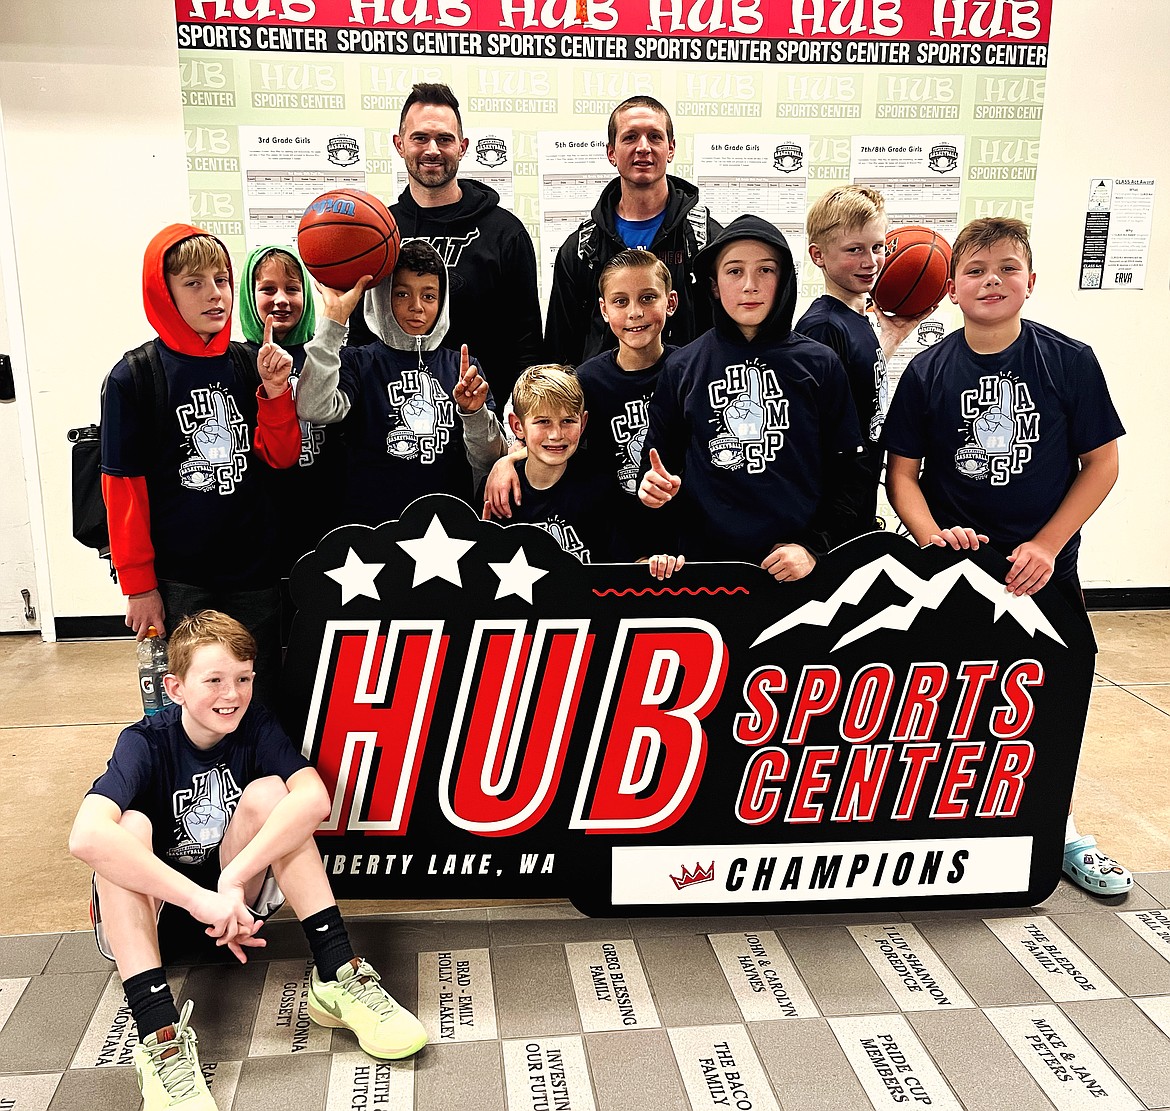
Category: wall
[93,137]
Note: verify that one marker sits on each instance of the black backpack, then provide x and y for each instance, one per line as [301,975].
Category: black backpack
[150,386]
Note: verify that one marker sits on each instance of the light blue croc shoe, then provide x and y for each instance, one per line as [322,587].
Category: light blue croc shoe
[1091,869]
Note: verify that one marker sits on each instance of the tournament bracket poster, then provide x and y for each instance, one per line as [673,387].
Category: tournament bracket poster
[493,718]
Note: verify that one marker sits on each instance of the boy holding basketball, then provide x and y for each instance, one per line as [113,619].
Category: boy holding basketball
[414,412]
[847,242]
[1004,433]
[202,824]
[757,417]
[185,500]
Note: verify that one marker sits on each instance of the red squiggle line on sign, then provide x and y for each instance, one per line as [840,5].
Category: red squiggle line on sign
[672,591]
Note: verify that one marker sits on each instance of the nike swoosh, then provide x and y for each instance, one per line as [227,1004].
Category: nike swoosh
[333,1008]
[155,990]
[321,929]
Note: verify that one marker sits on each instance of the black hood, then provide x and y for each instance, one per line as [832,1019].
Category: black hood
[778,324]
[681,197]
[477,200]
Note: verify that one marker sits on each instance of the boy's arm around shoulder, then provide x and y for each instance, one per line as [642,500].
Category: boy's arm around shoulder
[319,396]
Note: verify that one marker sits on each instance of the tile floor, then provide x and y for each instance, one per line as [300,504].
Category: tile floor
[1065,1005]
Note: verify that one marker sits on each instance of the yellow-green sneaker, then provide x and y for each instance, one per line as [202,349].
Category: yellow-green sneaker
[357,1001]
[167,1064]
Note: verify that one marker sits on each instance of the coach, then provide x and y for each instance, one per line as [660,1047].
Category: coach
[642,207]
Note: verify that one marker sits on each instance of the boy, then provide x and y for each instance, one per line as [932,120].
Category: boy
[404,438]
[573,503]
[847,241]
[185,502]
[1013,429]
[636,300]
[564,498]
[275,282]
[758,417]
[205,814]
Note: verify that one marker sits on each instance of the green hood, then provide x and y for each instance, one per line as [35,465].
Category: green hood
[250,322]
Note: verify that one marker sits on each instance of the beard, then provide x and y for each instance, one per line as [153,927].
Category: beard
[432,175]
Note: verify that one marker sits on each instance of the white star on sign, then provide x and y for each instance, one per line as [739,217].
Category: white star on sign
[436,555]
[356,578]
[517,577]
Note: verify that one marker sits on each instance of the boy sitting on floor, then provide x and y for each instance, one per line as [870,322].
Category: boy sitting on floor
[206,812]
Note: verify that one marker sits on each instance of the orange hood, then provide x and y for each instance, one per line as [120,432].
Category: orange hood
[164,318]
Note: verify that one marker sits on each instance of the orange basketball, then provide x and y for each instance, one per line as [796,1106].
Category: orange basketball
[346,233]
[914,278]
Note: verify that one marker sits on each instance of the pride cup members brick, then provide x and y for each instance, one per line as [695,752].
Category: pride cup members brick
[758,420]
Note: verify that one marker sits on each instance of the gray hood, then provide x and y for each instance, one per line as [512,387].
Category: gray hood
[380,316]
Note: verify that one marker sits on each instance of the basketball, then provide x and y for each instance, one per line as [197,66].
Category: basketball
[346,233]
[914,278]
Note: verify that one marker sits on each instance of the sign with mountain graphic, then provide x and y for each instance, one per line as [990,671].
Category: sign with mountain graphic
[494,718]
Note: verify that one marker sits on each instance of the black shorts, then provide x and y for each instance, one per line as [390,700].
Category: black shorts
[179,934]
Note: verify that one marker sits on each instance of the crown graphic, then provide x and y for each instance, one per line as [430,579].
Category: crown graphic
[789,150]
[699,875]
[341,142]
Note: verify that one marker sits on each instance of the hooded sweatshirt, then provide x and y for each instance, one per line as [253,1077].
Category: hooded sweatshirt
[304,495]
[184,502]
[404,434]
[250,322]
[575,330]
[762,431]
[491,262]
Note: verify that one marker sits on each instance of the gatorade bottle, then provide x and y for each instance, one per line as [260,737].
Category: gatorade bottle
[152,666]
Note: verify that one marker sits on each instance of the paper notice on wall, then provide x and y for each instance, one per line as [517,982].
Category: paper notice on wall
[919,176]
[1116,244]
[573,170]
[285,168]
[766,175]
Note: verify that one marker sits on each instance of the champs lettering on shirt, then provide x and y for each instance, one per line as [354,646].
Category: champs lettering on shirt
[422,417]
[216,440]
[1002,426]
[751,419]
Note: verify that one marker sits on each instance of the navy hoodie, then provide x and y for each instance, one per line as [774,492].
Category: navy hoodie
[763,431]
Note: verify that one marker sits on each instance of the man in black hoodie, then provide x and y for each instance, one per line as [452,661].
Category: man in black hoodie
[642,207]
[494,305]
[758,420]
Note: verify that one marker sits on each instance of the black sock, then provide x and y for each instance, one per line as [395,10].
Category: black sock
[328,940]
[151,1003]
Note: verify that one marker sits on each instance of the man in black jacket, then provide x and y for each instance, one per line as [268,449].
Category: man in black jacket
[642,207]
[490,260]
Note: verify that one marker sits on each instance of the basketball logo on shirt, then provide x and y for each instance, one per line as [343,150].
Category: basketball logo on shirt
[202,813]
[425,416]
[1002,427]
[753,413]
[217,440]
